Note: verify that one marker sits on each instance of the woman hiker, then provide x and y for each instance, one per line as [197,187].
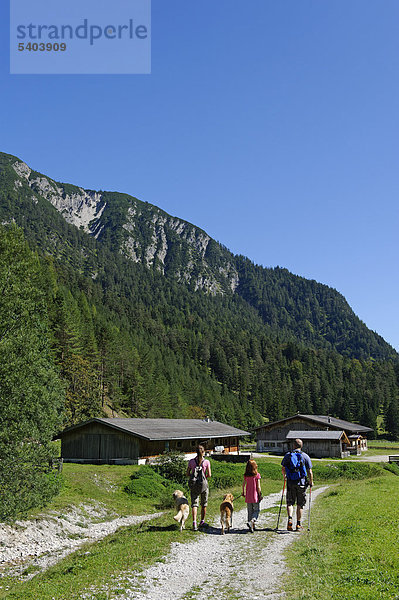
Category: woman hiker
[198,472]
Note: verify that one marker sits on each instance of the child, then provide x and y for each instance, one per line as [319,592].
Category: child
[252,493]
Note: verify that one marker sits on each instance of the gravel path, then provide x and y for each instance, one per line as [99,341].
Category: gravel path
[42,542]
[237,565]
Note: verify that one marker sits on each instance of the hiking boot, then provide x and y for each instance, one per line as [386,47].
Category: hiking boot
[195,527]
[250,526]
[203,524]
[299,527]
[289,526]
[253,524]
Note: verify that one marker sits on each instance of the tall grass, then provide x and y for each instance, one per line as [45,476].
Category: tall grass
[352,551]
[345,470]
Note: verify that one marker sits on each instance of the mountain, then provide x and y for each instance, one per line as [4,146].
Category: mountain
[152,315]
[142,233]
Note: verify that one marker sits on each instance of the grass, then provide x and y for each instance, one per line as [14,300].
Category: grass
[104,484]
[378,451]
[385,444]
[134,548]
[129,549]
[351,552]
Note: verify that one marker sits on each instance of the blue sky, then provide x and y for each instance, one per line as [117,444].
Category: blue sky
[272,125]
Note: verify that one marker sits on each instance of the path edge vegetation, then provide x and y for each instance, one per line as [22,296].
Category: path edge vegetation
[139,546]
[351,551]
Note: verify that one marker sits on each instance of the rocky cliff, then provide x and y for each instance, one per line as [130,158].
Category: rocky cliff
[149,235]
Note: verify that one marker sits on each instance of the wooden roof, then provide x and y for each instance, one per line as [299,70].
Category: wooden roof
[166,429]
[327,421]
[314,434]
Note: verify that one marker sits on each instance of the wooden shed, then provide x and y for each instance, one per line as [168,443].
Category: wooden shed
[321,444]
[271,437]
[130,441]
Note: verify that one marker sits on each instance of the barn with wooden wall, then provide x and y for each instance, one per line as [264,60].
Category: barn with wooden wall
[125,441]
[321,444]
[272,437]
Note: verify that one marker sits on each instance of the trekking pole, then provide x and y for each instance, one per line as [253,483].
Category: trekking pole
[310,502]
[281,504]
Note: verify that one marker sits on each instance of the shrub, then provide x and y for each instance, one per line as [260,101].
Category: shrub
[172,466]
[226,475]
[270,471]
[345,470]
[146,483]
[166,498]
[392,468]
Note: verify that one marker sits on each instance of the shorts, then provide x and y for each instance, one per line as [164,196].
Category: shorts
[296,494]
[199,497]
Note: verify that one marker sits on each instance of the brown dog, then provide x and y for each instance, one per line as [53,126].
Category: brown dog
[182,508]
[226,512]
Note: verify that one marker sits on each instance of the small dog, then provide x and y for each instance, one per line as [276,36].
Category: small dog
[182,508]
[226,512]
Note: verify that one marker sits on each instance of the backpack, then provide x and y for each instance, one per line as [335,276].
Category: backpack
[197,479]
[295,467]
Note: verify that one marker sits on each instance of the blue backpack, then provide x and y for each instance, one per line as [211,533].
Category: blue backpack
[295,466]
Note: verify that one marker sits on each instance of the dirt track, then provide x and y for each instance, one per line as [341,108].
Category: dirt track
[237,565]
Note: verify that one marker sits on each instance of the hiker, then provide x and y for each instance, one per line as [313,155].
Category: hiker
[297,470]
[252,493]
[198,472]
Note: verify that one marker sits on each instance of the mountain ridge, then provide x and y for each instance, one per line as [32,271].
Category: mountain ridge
[144,233]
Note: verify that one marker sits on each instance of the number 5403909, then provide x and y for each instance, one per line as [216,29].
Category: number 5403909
[42,47]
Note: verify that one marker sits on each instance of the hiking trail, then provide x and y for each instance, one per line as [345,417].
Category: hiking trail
[237,565]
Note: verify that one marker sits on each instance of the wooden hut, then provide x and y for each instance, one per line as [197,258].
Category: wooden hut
[321,444]
[131,441]
[271,437]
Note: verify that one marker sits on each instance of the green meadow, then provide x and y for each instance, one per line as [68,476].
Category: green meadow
[349,553]
[131,548]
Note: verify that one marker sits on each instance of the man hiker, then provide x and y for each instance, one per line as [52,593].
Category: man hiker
[297,470]
[198,472]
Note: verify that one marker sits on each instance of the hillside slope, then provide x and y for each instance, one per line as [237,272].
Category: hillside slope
[152,316]
[291,306]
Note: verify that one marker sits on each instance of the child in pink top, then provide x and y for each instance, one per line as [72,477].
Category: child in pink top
[252,493]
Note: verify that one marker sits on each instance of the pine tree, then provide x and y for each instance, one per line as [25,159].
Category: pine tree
[31,393]
[392,418]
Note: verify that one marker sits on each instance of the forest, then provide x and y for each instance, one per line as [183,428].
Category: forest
[85,331]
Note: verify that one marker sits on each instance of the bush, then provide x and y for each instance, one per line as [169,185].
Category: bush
[270,471]
[392,468]
[25,485]
[146,483]
[165,499]
[226,475]
[346,470]
[172,466]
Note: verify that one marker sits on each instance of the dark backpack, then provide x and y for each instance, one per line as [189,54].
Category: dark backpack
[295,466]
[197,479]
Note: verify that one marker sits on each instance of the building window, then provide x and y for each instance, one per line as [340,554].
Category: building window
[226,442]
[178,445]
[193,443]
